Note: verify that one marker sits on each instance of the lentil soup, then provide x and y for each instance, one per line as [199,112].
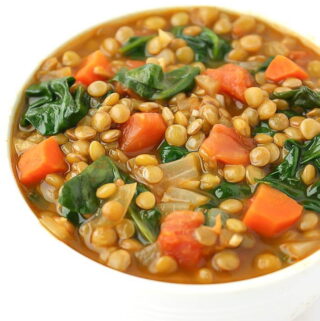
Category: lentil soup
[178,145]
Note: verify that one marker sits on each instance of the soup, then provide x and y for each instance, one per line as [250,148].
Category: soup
[177,145]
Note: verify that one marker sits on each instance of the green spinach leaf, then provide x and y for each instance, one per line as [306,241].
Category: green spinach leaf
[52,108]
[264,66]
[208,47]
[147,223]
[169,153]
[227,190]
[135,47]
[302,97]
[149,81]
[264,128]
[231,190]
[79,193]
[286,176]
[78,196]
[75,218]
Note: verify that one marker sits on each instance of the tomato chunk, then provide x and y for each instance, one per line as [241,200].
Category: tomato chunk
[233,79]
[225,145]
[177,237]
[282,68]
[142,133]
[271,211]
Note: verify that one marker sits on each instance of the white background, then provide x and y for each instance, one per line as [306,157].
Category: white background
[32,286]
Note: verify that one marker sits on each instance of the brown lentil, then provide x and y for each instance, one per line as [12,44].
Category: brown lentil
[146,200]
[152,174]
[85,132]
[176,135]
[205,276]
[226,260]
[279,121]
[166,265]
[104,236]
[260,156]
[267,262]
[234,173]
[101,121]
[113,211]
[254,96]
[308,174]
[253,173]
[309,221]
[106,190]
[119,260]
[205,235]
[232,206]
[110,135]
[267,109]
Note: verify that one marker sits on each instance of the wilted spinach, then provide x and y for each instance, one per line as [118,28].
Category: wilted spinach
[78,196]
[302,97]
[52,108]
[147,223]
[79,193]
[264,66]
[169,153]
[264,128]
[286,176]
[227,190]
[149,81]
[75,218]
[135,47]
[208,47]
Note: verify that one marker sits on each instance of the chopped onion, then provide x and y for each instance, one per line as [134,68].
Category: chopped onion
[124,195]
[49,192]
[180,195]
[22,145]
[176,172]
[148,254]
[300,250]
[169,207]
[55,228]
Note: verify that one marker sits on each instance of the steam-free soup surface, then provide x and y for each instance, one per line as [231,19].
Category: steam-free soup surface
[177,145]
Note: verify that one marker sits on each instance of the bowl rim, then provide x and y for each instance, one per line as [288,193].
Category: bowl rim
[214,288]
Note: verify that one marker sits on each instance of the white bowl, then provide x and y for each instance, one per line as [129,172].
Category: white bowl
[59,278]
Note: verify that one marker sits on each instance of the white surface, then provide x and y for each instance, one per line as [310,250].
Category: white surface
[33,282]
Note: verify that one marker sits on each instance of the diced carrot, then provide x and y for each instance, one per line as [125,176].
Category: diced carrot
[86,74]
[142,133]
[282,67]
[271,211]
[134,63]
[234,80]
[40,160]
[177,237]
[225,145]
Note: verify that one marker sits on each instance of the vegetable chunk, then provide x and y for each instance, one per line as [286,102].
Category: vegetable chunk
[142,132]
[271,211]
[40,160]
[282,67]
[234,80]
[86,74]
[177,240]
[225,145]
